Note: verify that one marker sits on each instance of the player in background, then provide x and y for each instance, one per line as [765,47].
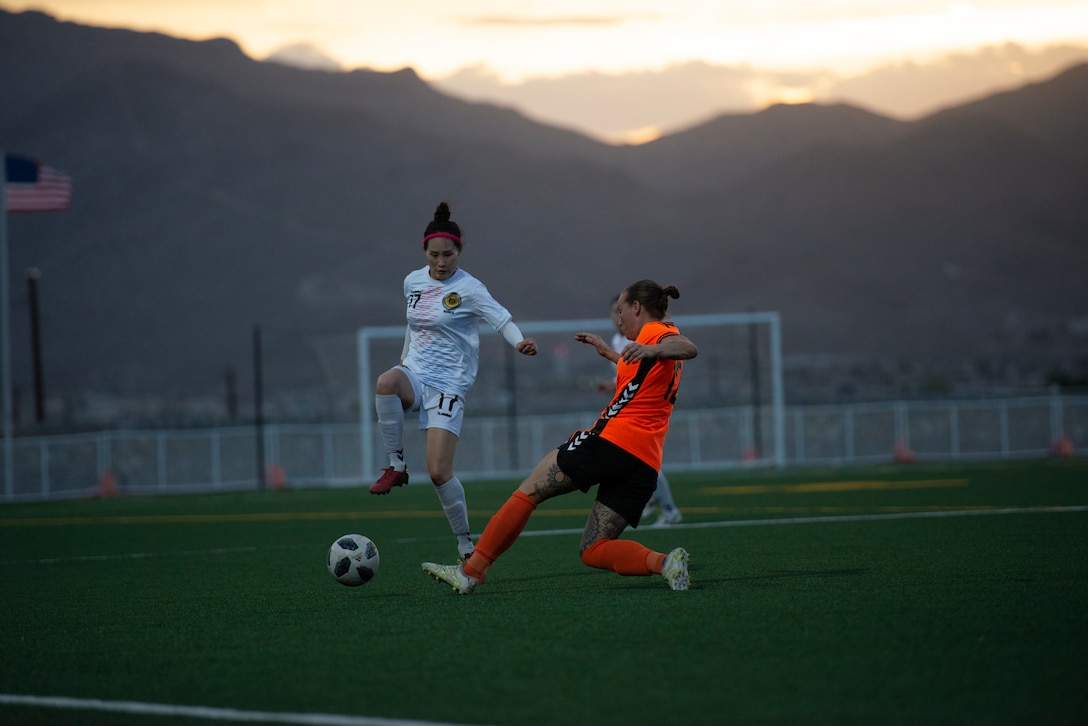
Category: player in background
[620,455]
[662,498]
[438,366]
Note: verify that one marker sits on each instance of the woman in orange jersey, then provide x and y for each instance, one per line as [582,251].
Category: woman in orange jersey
[620,454]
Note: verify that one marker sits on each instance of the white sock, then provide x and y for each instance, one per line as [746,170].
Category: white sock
[663,494]
[391,424]
[452,496]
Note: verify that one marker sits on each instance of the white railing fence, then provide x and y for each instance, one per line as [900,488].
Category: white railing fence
[306,455]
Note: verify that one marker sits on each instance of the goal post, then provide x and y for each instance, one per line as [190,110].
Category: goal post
[731,410]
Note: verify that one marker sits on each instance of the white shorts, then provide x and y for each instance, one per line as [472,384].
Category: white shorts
[437,409]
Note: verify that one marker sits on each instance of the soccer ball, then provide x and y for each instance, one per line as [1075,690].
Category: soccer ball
[353,560]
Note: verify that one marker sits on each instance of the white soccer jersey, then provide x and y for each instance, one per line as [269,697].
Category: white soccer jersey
[444,324]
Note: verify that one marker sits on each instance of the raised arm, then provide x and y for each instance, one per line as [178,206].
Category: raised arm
[603,348]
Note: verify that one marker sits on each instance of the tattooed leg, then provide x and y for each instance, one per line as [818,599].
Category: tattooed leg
[603,523]
[547,480]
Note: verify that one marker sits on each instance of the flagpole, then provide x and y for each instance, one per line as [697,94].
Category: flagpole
[5,334]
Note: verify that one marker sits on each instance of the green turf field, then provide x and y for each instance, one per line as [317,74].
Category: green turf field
[935,594]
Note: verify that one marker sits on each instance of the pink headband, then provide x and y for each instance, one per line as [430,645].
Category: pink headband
[447,235]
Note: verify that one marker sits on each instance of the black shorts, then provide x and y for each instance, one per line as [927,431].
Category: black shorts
[625,481]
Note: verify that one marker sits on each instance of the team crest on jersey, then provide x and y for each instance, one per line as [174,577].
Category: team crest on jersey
[451,301]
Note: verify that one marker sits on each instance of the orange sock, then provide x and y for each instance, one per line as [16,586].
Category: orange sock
[501,532]
[623,556]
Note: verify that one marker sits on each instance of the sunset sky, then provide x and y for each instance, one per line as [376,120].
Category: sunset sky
[520,38]
[500,44]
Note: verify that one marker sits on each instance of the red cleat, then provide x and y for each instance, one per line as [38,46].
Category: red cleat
[390,478]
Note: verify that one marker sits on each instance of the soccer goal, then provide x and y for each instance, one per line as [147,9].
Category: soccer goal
[730,411]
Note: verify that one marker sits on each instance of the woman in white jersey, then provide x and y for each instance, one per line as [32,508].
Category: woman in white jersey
[438,366]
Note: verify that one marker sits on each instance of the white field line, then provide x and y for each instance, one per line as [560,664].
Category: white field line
[837,518]
[220,714]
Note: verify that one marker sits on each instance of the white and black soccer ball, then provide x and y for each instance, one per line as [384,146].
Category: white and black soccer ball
[353,560]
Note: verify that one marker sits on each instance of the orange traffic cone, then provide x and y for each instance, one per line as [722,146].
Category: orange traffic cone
[902,454]
[277,477]
[107,485]
[1063,447]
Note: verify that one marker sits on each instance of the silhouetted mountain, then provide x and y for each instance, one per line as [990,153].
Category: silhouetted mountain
[213,192]
[732,147]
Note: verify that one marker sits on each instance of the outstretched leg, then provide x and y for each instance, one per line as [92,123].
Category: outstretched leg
[547,480]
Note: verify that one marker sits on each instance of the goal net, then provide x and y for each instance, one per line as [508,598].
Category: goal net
[729,412]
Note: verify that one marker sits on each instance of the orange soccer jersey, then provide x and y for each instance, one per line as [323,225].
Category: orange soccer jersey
[638,417]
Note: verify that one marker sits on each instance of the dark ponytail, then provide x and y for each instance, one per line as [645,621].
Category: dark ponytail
[652,296]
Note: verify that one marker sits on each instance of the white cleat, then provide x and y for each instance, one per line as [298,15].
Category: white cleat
[675,569]
[668,518]
[453,575]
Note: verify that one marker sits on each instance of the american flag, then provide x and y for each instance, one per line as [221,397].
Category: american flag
[34,187]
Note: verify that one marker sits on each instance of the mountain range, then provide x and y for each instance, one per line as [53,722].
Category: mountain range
[636,106]
[213,193]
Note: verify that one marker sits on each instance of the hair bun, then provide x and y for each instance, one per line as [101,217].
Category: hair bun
[442,226]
